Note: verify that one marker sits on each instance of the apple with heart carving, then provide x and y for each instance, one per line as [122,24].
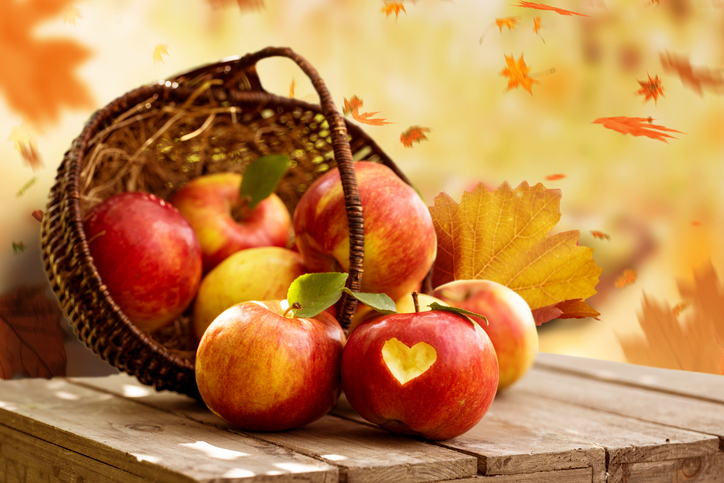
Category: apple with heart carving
[432,374]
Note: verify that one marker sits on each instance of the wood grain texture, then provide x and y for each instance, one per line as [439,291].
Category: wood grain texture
[709,469]
[580,475]
[25,459]
[695,384]
[363,452]
[143,441]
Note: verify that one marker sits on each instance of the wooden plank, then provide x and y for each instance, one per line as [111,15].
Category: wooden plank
[148,443]
[24,458]
[508,442]
[580,475]
[695,384]
[363,453]
[708,469]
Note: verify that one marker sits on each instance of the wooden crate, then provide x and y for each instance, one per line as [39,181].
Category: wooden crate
[569,420]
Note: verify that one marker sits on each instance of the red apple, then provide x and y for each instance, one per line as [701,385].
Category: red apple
[431,374]
[262,370]
[146,254]
[214,208]
[263,273]
[511,326]
[400,243]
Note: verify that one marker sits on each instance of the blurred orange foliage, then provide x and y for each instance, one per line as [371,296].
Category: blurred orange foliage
[540,6]
[636,126]
[413,134]
[628,277]
[651,89]
[600,235]
[696,79]
[509,22]
[352,107]
[517,74]
[393,7]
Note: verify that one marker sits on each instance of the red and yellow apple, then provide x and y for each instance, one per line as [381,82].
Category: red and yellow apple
[223,223]
[400,243]
[431,374]
[261,369]
[511,326]
[146,254]
[263,273]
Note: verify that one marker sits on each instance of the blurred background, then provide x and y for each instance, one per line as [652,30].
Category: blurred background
[435,65]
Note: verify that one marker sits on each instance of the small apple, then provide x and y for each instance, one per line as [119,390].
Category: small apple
[223,223]
[431,374]
[261,369]
[511,326]
[399,238]
[263,273]
[146,254]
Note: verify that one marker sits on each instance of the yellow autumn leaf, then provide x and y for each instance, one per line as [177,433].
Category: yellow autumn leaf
[502,235]
[70,14]
[158,52]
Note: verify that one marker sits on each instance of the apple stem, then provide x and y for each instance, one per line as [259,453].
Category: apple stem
[416,302]
[294,306]
[241,210]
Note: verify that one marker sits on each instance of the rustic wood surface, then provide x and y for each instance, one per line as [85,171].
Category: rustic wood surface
[568,420]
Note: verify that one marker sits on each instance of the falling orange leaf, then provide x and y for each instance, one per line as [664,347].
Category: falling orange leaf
[393,7]
[517,74]
[31,337]
[636,126]
[678,308]
[696,79]
[628,277]
[352,107]
[475,243]
[158,51]
[38,215]
[600,235]
[568,309]
[540,6]
[70,14]
[291,89]
[651,89]
[555,177]
[413,133]
[38,78]
[509,22]
[537,27]
[26,145]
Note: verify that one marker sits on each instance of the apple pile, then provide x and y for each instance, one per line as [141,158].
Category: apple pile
[261,284]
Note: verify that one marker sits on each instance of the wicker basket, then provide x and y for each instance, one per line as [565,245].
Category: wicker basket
[157,137]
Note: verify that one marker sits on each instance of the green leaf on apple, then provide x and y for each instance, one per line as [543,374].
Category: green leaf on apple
[316,292]
[261,177]
[378,301]
[458,310]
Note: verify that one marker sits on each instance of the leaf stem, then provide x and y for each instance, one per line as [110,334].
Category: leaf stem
[294,307]
[416,302]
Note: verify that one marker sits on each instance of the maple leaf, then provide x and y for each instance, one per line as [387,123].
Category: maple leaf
[70,14]
[517,74]
[38,215]
[502,235]
[568,309]
[413,134]
[636,126]
[555,177]
[352,107]
[696,79]
[537,27]
[600,235]
[38,79]
[393,7]
[26,145]
[540,6]
[628,277]
[18,247]
[509,22]
[158,51]
[651,89]
[31,338]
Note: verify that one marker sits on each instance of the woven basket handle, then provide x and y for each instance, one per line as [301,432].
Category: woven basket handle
[345,163]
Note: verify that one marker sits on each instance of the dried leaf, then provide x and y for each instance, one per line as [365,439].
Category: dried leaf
[540,6]
[413,134]
[503,236]
[18,247]
[27,146]
[291,89]
[352,107]
[568,309]
[70,14]
[38,215]
[651,89]
[555,177]
[628,277]
[509,22]
[31,338]
[696,79]
[393,7]
[42,80]
[537,27]
[600,235]
[706,295]
[636,126]
[26,186]
[158,52]
[517,74]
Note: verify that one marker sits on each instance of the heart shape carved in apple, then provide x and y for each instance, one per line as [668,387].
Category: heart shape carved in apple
[406,363]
